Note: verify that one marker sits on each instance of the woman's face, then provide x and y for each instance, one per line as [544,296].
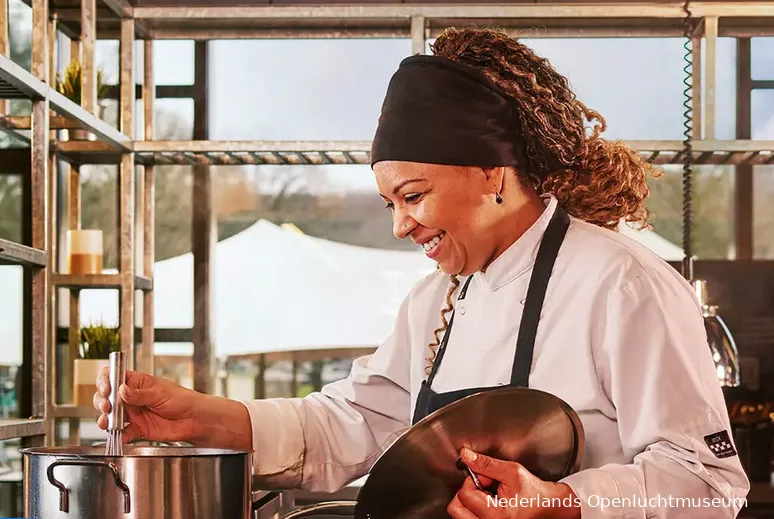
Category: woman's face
[445,209]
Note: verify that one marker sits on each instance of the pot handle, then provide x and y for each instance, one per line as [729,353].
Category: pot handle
[343,508]
[64,494]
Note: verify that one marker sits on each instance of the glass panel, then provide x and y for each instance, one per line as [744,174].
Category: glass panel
[762,58]
[20,32]
[99,207]
[11,207]
[762,108]
[174,361]
[712,209]
[173,62]
[615,76]
[11,479]
[300,89]
[11,326]
[763,212]
[173,119]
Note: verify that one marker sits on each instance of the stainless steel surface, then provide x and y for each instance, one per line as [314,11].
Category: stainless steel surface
[721,342]
[117,377]
[419,474]
[146,482]
[328,508]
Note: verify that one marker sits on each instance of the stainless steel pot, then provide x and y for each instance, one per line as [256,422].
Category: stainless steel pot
[146,482]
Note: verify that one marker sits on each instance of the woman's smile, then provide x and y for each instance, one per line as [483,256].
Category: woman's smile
[433,245]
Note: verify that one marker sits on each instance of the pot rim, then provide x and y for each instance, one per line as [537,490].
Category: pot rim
[130,451]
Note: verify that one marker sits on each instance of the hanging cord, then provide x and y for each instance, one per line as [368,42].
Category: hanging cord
[687,143]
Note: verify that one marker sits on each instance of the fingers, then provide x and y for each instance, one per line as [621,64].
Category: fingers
[457,510]
[499,470]
[101,403]
[477,502]
[131,432]
[103,382]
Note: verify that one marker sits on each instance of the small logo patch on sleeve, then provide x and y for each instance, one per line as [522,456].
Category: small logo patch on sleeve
[720,444]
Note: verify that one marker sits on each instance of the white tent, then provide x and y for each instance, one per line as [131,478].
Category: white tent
[273,290]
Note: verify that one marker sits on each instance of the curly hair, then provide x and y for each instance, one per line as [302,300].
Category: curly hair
[599,181]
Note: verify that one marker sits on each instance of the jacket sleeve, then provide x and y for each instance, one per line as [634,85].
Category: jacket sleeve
[656,368]
[327,439]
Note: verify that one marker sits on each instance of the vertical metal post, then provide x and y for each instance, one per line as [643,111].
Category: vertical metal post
[743,177]
[711,35]
[418,39]
[696,79]
[203,236]
[35,395]
[5,48]
[146,357]
[127,186]
[88,61]
[52,49]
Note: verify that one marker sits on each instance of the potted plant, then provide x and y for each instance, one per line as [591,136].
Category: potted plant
[69,85]
[97,342]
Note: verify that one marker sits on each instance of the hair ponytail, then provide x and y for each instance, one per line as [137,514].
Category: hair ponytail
[599,181]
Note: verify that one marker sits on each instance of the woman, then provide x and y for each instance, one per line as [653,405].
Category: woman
[483,158]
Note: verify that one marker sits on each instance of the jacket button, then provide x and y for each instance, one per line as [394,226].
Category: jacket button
[462,310]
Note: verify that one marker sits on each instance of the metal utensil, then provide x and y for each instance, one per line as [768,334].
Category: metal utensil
[114,446]
[420,472]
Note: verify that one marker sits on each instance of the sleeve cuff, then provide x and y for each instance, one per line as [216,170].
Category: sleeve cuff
[278,443]
[609,492]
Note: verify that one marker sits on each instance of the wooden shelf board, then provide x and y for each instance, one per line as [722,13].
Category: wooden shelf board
[72,411]
[97,281]
[21,428]
[17,254]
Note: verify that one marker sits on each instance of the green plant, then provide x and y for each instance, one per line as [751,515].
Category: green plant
[69,84]
[98,341]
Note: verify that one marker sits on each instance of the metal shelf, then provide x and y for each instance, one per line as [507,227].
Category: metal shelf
[12,253]
[394,18]
[97,281]
[89,121]
[17,83]
[21,428]
[72,411]
[252,153]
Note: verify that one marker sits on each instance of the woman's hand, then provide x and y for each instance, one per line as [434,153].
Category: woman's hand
[160,410]
[520,494]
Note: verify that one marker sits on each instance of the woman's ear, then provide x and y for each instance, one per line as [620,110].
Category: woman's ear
[495,178]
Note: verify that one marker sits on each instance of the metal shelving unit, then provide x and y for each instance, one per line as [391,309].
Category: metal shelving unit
[128,22]
[51,112]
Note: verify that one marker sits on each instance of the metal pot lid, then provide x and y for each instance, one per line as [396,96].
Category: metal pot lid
[418,475]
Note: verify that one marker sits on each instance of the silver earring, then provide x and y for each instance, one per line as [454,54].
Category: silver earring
[498,198]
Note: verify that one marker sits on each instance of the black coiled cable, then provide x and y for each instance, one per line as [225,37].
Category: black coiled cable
[687,142]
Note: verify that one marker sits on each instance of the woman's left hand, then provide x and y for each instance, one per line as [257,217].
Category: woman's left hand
[520,494]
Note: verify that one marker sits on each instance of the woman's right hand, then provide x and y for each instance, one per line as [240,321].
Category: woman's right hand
[156,409]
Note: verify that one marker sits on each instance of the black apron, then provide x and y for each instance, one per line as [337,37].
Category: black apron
[428,401]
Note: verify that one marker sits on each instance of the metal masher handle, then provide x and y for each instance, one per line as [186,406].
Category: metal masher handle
[117,377]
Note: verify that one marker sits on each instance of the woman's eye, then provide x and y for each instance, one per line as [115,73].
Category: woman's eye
[412,198]
[389,205]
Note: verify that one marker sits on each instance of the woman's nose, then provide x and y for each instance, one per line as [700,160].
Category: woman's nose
[402,224]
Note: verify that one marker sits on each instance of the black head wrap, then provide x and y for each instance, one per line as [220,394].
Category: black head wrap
[440,111]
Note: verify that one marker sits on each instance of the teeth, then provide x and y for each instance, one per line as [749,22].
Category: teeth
[432,243]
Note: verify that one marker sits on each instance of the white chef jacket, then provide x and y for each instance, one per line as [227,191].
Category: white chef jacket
[620,339]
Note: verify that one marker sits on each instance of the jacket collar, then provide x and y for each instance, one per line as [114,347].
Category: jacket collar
[520,256]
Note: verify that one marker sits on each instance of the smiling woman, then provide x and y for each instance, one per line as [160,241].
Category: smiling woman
[482,156]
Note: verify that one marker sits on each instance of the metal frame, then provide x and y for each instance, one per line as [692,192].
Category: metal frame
[54,162]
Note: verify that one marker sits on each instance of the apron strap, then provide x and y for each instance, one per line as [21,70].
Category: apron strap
[536,293]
